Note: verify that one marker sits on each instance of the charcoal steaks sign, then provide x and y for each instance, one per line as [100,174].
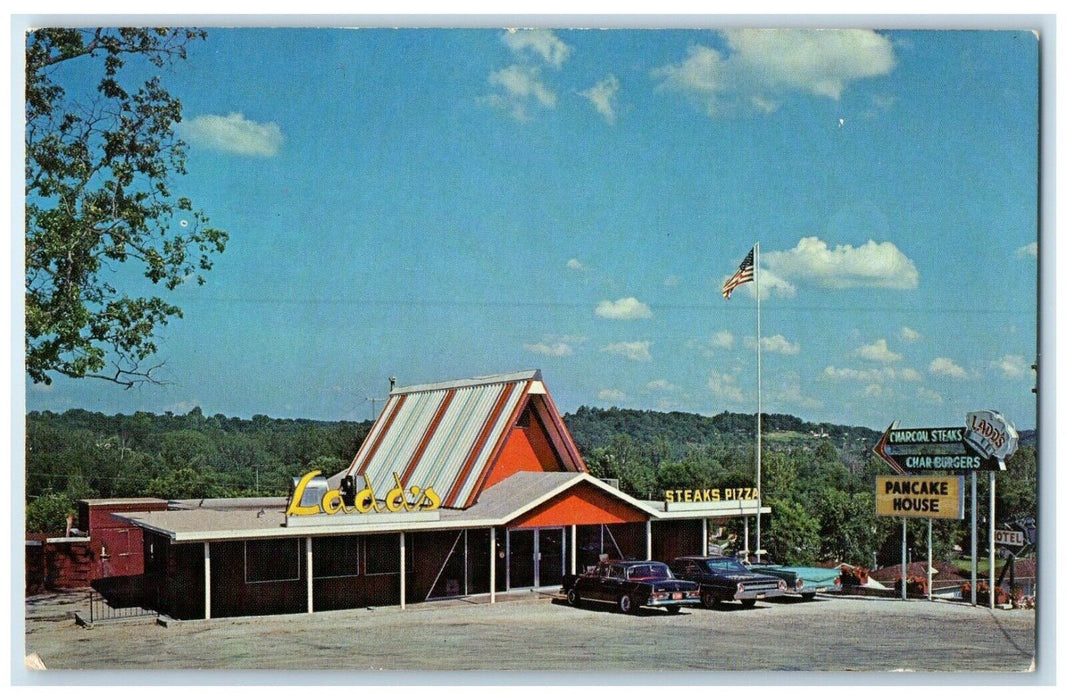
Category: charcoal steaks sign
[981,445]
[920,497]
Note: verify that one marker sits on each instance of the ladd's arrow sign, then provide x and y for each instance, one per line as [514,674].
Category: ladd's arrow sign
[910,450]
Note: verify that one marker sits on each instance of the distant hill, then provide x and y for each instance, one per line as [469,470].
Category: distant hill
[597,427]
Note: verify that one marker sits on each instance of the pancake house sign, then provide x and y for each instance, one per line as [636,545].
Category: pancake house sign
[919,497]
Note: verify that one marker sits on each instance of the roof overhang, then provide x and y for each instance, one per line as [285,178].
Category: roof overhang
[578,478]
[195,525]
[709,509]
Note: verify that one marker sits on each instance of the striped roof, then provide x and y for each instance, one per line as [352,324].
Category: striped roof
[448,435]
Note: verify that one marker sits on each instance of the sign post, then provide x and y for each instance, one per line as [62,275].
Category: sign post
[992,538]
[903,558]
[929,558]
[927,497]
[974,538]
[982,444]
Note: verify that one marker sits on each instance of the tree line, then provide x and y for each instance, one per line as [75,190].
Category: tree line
[80,454]
[818,479]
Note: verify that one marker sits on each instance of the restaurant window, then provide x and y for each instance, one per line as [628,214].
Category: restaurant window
[334,557]
[383,554]
[272,560]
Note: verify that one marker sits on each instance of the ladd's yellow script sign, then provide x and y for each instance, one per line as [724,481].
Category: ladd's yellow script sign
[920,497]
[741,493]
[331,503]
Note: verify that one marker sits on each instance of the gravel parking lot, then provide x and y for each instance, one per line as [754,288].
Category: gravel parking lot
[532,632]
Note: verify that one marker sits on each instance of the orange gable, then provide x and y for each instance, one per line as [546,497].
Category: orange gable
[584,504]
[527,449]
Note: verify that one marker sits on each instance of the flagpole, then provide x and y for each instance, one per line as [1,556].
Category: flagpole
[759,409]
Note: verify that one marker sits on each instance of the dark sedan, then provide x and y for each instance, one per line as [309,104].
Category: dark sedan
[629,585]
[725,578]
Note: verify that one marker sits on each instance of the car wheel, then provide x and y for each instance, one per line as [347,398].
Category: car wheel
[709,600]
[748,603]
[573,598]
[626,604]
[673,609]
[807,596]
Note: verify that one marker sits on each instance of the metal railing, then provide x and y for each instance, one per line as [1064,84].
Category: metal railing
[103,610]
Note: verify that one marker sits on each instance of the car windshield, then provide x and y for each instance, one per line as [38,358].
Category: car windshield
[726,566]
[642,572]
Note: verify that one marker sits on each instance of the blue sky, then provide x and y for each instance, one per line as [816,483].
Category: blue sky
[439,204]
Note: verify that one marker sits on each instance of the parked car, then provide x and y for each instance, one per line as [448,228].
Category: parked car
[804,581]
[629,585]
[725,578]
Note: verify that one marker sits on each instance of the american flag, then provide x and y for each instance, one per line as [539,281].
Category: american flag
[745,273]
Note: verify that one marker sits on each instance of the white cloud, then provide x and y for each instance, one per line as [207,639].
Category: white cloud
[878,351]
[775,343]
[576,265]
[764,66]
[873,390]
[930,396]
[722,339]
[662,385]
[611,395]
[723,386]
[1027,251]
[636,350]
[907,375]
[233,134]
[770,284]
[790,393]
[541,42]
[908,335]
[521,88]
[869,265]
[1012,366]
[946,367]
[672,281]
[867,376]
[602,97]
[557,349]
[625,309]
[778,344]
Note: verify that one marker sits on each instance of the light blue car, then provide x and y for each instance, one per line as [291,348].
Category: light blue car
[804,581]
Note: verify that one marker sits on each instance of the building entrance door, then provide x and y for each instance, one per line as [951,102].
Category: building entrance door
[521,550]
[535,558]
[550,557]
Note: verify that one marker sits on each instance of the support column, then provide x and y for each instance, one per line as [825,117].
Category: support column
[974,538]
[704,537]
[207,580]
[574,549]
[311,575]
[904,558]
[403,572]
[648,539]
[747,550]
[492,565]
[992,538]
[929,558]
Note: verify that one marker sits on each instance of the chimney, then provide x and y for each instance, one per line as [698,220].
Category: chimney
[392,383]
